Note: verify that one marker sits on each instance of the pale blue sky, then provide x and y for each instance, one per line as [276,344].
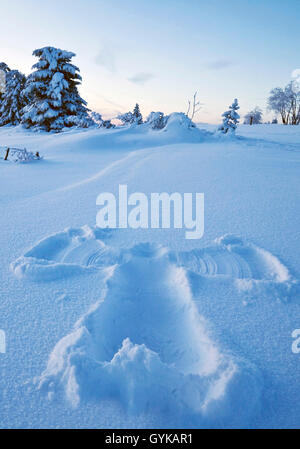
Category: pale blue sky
[159,52]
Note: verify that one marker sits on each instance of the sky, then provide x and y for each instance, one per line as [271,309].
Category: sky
[159,52]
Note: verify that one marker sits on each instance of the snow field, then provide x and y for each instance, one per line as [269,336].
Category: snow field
[120,350]
[190,334]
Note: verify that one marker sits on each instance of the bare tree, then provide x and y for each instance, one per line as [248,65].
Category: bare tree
[286,102]
[193,107]
[277,102]
[253,117]
[294,98]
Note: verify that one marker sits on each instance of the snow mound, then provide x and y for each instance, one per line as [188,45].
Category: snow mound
[180,127]
[146,346]
[179,119]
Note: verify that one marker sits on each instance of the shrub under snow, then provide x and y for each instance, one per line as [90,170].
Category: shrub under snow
[98,120]
[21,155]
[156,120]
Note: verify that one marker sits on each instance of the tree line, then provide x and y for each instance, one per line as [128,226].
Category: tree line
[48,99]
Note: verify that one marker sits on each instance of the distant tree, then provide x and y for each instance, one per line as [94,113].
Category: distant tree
[98,120]
[277,102]
[107,124]
[137,116]
[131,118]
[156,120]
[96,117]
[293,96]
[274,121]
[12,100]
[126,119]
[52,89]
[253,117]
[4,70]
[230,119]
[286,102]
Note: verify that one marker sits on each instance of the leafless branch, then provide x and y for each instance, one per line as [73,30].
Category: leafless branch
[195,108]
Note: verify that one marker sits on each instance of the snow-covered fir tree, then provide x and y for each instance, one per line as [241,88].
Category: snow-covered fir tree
[137,116]
[230,119]
[131,118]
[4,67]
[4,70]
[12,99]
[52,89]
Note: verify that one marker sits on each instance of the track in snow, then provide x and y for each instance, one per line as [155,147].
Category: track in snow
[144,343]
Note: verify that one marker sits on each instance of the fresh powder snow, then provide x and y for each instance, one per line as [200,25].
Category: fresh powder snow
[123,328]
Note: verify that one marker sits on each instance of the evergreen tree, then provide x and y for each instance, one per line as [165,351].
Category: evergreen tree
[4,67]
[4,70]
[137,116]
[12,100]
[52,90]
[231,119]
[131,118]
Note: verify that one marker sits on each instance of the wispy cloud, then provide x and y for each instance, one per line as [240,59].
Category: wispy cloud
[141,78]
[106,59]
[219,64]
[110,102]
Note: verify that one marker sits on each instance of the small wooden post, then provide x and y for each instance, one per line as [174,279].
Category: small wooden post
[7,153]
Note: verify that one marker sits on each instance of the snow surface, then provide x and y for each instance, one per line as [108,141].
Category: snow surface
[143,328]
